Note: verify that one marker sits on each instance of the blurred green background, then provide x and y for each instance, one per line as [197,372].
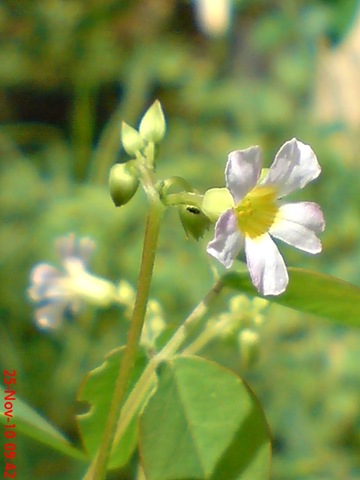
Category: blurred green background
[265,72]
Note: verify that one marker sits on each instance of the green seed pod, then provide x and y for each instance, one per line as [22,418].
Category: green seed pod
[123,183]
[195,223]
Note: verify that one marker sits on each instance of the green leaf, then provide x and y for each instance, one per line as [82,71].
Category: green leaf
[202,423]
[310,292]
[97,390]
[30,423]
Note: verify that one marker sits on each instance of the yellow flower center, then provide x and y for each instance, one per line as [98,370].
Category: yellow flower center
[257,211]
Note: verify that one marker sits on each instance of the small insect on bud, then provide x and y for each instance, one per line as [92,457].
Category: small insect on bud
[195,223]
[123,183]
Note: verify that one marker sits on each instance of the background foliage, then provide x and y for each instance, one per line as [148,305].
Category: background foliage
[69,72]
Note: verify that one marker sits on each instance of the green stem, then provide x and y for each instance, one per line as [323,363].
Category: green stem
[97,470]
[147,380]
[184,198]
[197,314]
[199,343]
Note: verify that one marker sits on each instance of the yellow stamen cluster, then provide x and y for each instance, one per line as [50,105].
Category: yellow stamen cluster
[257,211]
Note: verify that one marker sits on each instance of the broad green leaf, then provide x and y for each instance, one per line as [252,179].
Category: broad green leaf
[310,292]
[33,425]
[203,423]
[97,390]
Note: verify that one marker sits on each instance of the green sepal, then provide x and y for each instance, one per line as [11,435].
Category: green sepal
[193,220]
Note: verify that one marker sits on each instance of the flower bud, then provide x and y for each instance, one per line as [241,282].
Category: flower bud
[123,183]
[249,346]
[131,139]
[152,126]
[195,223]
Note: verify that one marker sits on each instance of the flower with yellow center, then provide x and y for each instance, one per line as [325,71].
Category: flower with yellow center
[257,213]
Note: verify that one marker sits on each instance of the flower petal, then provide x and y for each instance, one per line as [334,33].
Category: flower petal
[41,276]
[228,241]
[50,315]
[266,266]
[242,171]
[295,165]
[308,214]
[86,248]
[67,246]
[297,224]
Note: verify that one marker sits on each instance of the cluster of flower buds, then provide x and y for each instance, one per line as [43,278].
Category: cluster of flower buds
[124,177]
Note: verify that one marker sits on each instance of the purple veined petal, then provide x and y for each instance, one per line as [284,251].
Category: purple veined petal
[295,165]
[242,171]
[228,240]
[308,214]
[297,225]
[266,265]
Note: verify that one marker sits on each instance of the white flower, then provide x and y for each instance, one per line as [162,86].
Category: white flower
[257,213]
[57,292]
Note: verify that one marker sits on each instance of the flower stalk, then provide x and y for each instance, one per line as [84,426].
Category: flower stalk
[98,468]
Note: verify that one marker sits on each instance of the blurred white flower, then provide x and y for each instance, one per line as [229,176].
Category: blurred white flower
[256,213]
[213,16]
[57,291]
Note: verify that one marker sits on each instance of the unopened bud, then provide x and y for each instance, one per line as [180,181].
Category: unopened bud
[249,346]
[131,139]
[152,126]
[123,183]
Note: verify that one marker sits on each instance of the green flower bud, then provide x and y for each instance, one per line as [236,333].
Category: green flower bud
[249,347]
[195,223]
[123,183]
[152,126]
[131,139]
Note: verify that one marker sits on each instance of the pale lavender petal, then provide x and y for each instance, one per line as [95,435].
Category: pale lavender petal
[67,246]
[41,276]
[50,315]
[297,236]
[228,240]
[86,248]
[308,214]
[266,266]
[297,225]
[295,165]
[242,171]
